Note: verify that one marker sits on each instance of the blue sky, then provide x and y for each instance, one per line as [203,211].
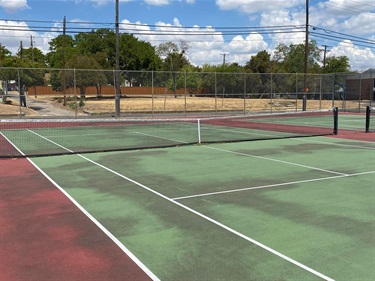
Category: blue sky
[230,27]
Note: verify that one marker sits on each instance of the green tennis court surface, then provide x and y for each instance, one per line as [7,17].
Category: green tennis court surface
[357,122]
[291,209]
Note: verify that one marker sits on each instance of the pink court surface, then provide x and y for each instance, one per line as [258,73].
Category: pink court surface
[44,236]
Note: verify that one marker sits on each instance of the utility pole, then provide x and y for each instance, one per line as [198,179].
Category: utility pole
[32,47]
[306,55]
[224,55]
[63,82]
[21,50]
[117,71]
[324,56]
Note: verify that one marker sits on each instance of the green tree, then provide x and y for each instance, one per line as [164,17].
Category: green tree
[99,43]
[174,59]
[190,78]
[337,64]
[260,63]
[55,54]
[136,55]
[34,55]
[29,72]
[174,56]
[4,53]
[291,58]
[224,80]
[88,73]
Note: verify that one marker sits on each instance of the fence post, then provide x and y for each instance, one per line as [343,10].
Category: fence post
[360,93]
[244,94]
[215,94]
[296,91]
[75,91]
[152,92]
[271,90]
[19,91]
[185,92]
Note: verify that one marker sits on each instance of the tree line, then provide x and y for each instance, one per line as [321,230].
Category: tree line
[95,50]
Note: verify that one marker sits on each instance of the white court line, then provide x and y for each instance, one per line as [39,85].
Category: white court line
[100,226]
[276,160]
[83,210]
[144,134]
[12,144]
[336,144]
[306,268]
[270,185]
[255,156]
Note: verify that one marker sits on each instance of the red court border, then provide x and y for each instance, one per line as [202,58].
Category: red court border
[355,135]
[44,236]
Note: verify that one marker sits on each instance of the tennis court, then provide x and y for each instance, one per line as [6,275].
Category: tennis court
[208,202]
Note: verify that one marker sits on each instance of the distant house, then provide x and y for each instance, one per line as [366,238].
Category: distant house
[361,86]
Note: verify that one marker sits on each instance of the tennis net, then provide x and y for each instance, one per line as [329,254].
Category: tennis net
[43,137]
[370,120]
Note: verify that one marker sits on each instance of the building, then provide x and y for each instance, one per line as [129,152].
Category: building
[361,86]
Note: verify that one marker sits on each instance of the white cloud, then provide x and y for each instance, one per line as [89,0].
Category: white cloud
[344,8]
[361,24]
[164,2]
[206,43]
[15,32]
[99,3]
[360,59]
[12,6]
[296,21]
[241,49]
[158,2]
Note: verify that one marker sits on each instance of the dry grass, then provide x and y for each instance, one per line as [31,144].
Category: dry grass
[171,104]
[197,104]
[14,109]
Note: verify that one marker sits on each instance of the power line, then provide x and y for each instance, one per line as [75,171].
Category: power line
[328,31]
[343,39]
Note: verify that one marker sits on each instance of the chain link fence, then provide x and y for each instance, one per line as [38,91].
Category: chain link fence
[92,92]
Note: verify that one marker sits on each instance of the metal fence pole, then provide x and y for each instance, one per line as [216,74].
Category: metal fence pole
[271,91]
[185,91]
[320,92]
[296,91]
[215,94]
[75,91]
[360,93]
[244,94]
[19,91]
[152,92]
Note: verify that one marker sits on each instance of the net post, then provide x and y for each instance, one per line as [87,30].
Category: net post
[335,120]
[368,113]
[199,130]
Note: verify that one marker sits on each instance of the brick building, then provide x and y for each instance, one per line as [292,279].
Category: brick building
[361,86]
